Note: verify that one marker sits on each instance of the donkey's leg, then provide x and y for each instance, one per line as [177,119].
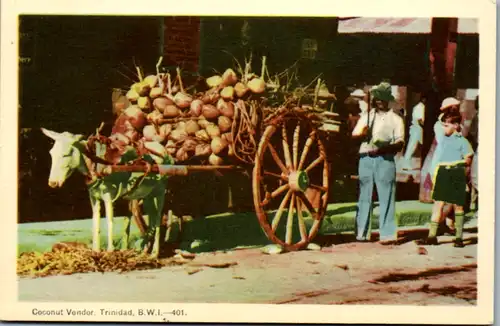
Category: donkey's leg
[126,232]
[108,206]
[96,219]
[153,205]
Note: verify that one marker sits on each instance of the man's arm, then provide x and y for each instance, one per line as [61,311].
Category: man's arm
[361,129]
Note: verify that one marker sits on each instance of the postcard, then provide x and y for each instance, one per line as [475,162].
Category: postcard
[206,162]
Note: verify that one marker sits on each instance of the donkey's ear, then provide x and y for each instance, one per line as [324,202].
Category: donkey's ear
[51,134]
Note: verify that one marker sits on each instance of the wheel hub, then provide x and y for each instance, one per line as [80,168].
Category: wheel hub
[298,181]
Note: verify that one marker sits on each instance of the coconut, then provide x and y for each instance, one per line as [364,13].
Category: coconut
[181,125]
[132,95]
[160,103]
[202,150]
[215,160]
[171,111]
[155,116]
[157,148]
[159,138]
[226,108]
[218,145]
[170,147]
[165,130]
[257,85]
[192,127]
[178,135]
[202,135]
[214,81]
[195,108]
[227,93]
[203,122]
[151,80]
[227,137]
[211,97]
[142,88]
[213,131]
[144,103]
[135,116]
[224,123]
[229,77]
[149,132]
[181,155]
[182,100]
[155,92]
[240,89]
[210,112]
[189,145]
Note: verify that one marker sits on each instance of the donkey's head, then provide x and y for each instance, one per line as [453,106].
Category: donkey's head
[66,156]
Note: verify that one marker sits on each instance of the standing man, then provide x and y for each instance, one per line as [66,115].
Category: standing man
[416,132]
[381,132]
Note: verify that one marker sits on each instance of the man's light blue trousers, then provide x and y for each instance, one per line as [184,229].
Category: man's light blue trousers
[381,171]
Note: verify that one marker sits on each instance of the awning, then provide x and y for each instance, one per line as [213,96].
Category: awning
[400,25]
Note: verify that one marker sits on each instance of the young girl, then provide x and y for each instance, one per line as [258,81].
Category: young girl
[453,155]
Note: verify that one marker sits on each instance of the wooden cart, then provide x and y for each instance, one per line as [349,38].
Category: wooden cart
[290,173]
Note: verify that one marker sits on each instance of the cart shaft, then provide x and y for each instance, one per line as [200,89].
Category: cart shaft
[171,170]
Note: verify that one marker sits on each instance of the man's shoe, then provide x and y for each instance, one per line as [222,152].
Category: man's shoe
[388,242]
[458,243]
[430,241]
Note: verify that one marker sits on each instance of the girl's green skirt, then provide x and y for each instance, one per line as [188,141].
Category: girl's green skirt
[450,184]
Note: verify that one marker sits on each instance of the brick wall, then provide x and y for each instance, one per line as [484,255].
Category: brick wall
[182,42]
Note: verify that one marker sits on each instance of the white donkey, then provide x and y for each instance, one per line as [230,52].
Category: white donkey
[69,154]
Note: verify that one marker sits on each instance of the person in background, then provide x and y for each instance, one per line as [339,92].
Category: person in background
[362,99]
[353,112]
[416,132]
[452,157]
[381,132]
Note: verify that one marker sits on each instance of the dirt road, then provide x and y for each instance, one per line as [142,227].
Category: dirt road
[361,273]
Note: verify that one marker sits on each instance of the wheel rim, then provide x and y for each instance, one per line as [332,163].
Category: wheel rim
[290,161]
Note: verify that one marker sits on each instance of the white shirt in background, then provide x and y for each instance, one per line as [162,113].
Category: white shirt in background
[416,129]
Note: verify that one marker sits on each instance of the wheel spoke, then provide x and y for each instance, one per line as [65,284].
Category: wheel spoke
[289,223]
[279,176]
[277,158]
[314,186]
[296,135]
[275,193]
[314,163]
[302,225]
[279,212]
[307,145]
[308,205]
[286,148]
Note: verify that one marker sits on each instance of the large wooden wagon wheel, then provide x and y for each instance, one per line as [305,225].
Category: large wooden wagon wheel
[290,161]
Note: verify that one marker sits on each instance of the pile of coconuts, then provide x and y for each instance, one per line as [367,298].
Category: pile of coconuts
[197,125]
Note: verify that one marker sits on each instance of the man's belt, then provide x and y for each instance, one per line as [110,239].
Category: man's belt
[361,155]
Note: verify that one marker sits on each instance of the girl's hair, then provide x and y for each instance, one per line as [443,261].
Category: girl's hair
[451,117]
